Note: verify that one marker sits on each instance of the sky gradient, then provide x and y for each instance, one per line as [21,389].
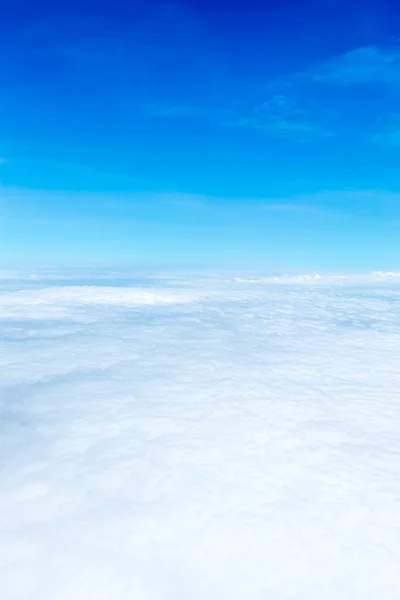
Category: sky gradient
[201,134]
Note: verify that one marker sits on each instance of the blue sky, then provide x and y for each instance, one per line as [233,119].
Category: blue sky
[201,133]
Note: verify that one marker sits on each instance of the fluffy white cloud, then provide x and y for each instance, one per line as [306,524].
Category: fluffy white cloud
[200,438]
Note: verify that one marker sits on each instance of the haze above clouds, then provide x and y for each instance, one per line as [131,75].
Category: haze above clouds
[200,437]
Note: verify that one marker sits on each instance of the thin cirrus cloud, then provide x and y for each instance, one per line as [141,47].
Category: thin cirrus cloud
[367,64]
[348,73]
[281,117]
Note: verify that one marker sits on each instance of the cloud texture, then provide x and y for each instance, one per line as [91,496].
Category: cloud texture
[200,437]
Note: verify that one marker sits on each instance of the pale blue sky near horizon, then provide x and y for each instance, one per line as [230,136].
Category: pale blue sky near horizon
[201,134]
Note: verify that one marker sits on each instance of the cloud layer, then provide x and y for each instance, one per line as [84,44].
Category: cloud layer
[205,437]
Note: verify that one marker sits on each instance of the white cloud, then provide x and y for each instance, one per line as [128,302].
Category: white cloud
[201,438]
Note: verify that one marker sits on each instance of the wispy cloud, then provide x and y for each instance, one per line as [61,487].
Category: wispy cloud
[368,64]
[280,117]
[277,116]
[345,74]
[297,108]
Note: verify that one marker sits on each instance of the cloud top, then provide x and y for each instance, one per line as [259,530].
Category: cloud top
[200,437]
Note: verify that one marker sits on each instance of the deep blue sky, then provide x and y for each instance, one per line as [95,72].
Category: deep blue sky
[203,133]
